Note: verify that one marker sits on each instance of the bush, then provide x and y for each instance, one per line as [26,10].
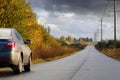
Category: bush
[46,53]
[110,48]
[77,45]
[100,45]
[113,44]
[110,45]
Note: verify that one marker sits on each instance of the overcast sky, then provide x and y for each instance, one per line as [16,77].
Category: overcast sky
[78,18]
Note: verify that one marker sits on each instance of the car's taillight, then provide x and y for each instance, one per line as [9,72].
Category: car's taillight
[4,59]
[10,44]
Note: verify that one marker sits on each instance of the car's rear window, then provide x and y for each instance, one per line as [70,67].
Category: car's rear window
[5,33]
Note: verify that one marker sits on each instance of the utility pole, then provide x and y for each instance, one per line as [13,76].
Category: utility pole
[49,29]
[115,20]
[101,29]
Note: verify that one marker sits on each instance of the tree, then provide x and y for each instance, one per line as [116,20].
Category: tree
[17,14]
[70,39]
[63,38]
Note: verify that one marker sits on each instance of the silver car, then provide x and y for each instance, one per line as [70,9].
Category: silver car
[14,52]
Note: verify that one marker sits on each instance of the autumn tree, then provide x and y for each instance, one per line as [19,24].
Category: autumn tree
[70,39]
[63,38]
[17,14]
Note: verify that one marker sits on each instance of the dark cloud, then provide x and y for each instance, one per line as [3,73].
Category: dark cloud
[76,6]
[87,10]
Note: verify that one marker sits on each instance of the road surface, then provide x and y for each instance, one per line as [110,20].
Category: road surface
[88,64]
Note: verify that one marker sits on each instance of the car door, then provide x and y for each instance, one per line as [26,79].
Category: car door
[25,49]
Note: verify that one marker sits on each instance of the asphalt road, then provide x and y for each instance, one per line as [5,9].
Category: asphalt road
[88,64]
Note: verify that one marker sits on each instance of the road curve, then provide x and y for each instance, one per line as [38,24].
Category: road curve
[87,64]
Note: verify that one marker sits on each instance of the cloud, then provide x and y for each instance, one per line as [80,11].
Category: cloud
[68,23]
[41,21]
[76,6]
[52,26]
[74,17]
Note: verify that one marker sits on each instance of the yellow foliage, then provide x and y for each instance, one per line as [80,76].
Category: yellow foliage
[17,14]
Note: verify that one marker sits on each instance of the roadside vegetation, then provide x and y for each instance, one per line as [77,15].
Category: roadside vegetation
[110,48]
[18,14]
[56,52]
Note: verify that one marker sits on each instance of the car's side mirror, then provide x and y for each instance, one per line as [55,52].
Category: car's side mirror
[28,41]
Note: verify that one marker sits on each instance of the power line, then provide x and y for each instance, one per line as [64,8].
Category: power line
[115,17]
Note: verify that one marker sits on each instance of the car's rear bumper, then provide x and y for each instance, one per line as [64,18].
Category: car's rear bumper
[5,59]
[5,64]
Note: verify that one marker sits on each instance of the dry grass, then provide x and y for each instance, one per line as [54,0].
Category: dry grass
[114,53]
[110,48]
[48,54]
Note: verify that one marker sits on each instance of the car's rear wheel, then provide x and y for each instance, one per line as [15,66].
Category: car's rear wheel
[19,68]
[27,67]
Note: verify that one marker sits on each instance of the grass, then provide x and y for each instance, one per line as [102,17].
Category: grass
[110,48]
[41,60]
[113,53]
[54,53]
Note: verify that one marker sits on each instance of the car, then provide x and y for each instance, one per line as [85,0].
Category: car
[14,51]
